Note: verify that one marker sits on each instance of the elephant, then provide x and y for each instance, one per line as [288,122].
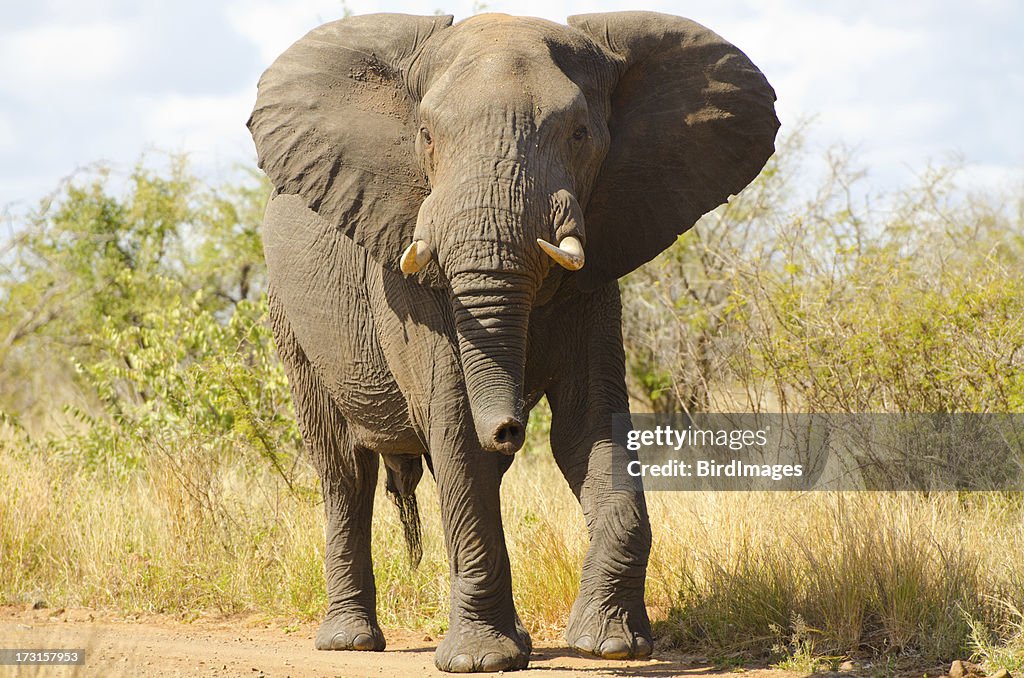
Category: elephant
[452,206]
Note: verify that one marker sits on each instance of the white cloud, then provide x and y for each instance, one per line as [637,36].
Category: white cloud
[274,26]
[7,135]
[201,125]
[885,123]
[44,57]
[813,59]
[984,177]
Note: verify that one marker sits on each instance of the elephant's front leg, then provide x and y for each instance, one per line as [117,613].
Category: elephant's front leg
[609,617]
[484,632]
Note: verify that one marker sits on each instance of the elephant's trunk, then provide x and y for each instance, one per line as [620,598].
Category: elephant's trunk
[491,315]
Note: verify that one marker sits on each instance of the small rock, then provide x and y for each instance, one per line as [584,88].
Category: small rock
[427,638]
[848,665]
[963,669]
[1001,673]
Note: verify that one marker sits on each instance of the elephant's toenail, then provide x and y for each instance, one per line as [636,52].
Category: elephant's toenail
[493,661]
[584,644]
[363,641]
[461,663]
[643,648]
[614,648]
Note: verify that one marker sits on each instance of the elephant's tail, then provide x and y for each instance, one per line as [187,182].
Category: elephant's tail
[404,497]
[409,514]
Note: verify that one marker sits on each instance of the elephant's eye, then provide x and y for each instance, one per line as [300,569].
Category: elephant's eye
[580,133]
[427,139]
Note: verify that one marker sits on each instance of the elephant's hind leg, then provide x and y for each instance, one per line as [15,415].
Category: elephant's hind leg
[348,478]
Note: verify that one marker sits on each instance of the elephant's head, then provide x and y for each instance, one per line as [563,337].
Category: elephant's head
[503,157]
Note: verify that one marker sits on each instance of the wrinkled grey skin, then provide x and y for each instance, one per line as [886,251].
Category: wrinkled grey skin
[479,138]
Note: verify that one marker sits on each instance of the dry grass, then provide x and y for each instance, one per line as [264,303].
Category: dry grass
[935,576]
[888,572]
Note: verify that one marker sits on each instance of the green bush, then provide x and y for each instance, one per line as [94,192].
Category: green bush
[910,302]
[141,314]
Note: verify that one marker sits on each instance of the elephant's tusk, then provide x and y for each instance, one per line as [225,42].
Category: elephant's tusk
[568,254]
[415,257]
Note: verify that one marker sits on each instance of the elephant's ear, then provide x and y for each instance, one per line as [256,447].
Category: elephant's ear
[692,123]
[334,124]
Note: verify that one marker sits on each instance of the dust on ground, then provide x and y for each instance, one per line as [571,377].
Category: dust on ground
[253,646]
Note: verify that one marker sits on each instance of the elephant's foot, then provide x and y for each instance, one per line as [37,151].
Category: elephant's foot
[609,632]
[348,632]
[471,647]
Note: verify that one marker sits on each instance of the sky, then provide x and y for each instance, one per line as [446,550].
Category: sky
[904,83]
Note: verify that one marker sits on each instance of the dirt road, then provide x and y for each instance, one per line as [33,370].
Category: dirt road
[254,647]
